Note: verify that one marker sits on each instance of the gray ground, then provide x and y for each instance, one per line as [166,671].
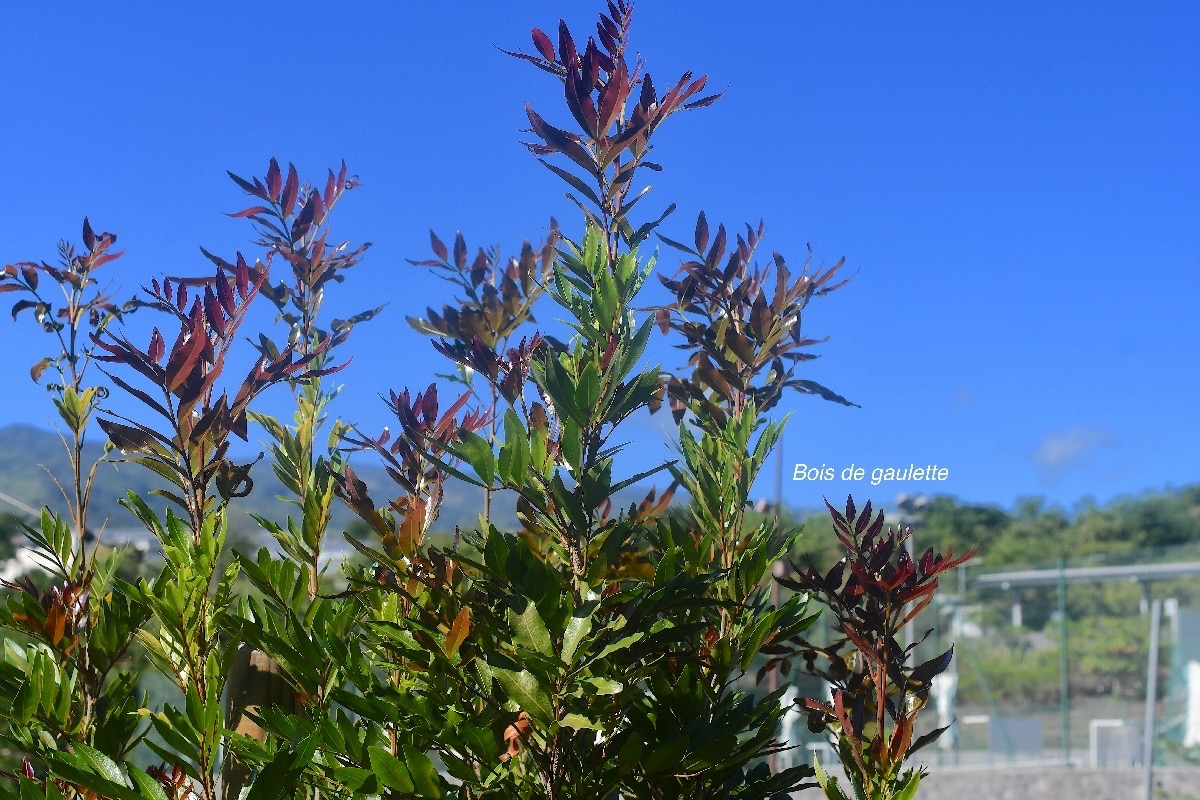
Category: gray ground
[1051,783]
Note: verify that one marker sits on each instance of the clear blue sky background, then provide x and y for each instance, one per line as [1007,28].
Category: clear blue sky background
[1016,187]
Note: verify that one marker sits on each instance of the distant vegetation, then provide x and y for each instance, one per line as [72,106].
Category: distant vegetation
[1106,630]
[1036,534]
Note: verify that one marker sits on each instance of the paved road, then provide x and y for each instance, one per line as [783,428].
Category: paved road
[1051,783]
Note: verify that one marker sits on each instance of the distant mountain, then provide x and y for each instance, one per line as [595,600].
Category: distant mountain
[31,459]
[30,456]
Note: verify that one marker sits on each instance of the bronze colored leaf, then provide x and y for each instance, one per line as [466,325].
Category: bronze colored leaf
[458,631]
[579,101]
[566,45]
[213,311]
[253,212]
[21,305]
[56,622]
[741,347]
[242,276]
[760,317]
[412,528]
[233,480]
[574,180]
[185,352]
[717,252]
[37,369]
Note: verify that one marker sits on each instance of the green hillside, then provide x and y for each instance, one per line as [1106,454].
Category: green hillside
[30,456]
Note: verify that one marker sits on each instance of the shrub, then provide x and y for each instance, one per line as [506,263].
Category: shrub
[595,652]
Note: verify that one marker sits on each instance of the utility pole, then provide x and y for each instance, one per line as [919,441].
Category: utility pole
[1151,700]
[1064,681]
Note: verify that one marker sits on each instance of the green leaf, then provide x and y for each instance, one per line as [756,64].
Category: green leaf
[480,741]
[277,780]
[640,476]
[571,442]
[149,788]
[423,773]
[101,763]
[606,302]
[578,627]
[529,629]
[73,768]
[477,452]
[25,703]
[514,454]
[358,781]
[910,789]
[524,690]
[604,686]
[630,755]
[621,644]
[391,771]
[667,756]
[579,722]
[828,783]
[559,386]
[587,393]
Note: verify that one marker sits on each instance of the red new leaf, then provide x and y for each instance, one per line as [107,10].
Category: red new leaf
[274,180]
[186,351]
[290,190]
[543,44]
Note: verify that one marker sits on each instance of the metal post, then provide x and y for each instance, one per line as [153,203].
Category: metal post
[1151,699]
[1064,685]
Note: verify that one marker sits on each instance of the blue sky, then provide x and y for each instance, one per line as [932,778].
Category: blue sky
[1016,189]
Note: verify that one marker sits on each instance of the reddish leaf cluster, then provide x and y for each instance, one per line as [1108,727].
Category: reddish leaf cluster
[174,781]
[745,336]
[282,196]
[507,372]
[495,303]
[873,591]
[74,276]
[411,461]
[193,454]
[56,615]
[599,85]
[293,224]
[513,735]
